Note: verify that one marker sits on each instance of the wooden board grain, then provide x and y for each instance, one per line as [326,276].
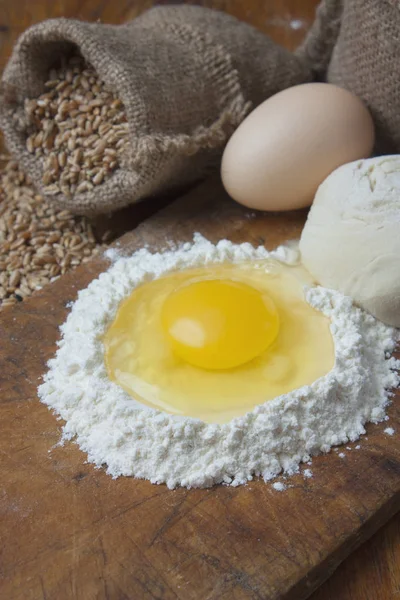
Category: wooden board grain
[70,531]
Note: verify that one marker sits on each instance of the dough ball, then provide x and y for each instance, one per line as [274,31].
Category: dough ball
[351,241]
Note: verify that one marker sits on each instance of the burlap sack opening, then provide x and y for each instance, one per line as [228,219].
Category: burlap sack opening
[355,44]
[187,77]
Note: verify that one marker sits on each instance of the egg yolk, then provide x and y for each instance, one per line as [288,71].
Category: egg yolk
[219,324]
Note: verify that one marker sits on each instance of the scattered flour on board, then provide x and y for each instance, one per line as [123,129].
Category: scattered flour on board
[307,473]
[113,254]
[389,431]
[279,487]
[129,438]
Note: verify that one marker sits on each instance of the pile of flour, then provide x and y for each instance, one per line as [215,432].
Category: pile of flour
[132,439]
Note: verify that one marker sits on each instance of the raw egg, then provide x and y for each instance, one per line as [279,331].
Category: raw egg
[288,145]
[214,342]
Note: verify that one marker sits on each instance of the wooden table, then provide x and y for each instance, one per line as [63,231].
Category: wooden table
[373,571]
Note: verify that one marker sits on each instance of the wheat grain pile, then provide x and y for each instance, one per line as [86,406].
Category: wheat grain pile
[37,241]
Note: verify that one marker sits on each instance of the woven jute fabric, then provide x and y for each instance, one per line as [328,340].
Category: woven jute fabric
[355,44]
[187,77]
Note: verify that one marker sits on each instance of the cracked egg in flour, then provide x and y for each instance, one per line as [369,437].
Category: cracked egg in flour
[214,342]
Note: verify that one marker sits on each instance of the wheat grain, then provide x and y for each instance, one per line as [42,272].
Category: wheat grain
[67,126]
[37,241]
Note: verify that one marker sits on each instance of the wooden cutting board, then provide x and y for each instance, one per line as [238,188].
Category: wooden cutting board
[70,531]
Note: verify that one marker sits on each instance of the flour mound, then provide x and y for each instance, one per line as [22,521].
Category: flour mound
[132,439]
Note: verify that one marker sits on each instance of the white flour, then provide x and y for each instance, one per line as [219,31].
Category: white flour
[389,431]
[132,439]
[279,486]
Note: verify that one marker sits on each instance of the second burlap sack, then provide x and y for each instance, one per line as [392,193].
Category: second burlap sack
[186,75]
[355,44]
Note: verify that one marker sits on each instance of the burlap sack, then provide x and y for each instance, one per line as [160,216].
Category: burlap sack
[356,44]
[186,75]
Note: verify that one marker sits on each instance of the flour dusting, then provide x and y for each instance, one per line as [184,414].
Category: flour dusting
[129,438]
[279,486]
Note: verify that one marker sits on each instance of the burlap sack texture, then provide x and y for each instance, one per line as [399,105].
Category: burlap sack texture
[186,75]
[356,44]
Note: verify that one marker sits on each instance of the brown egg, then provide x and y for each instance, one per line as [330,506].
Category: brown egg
[289,144]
